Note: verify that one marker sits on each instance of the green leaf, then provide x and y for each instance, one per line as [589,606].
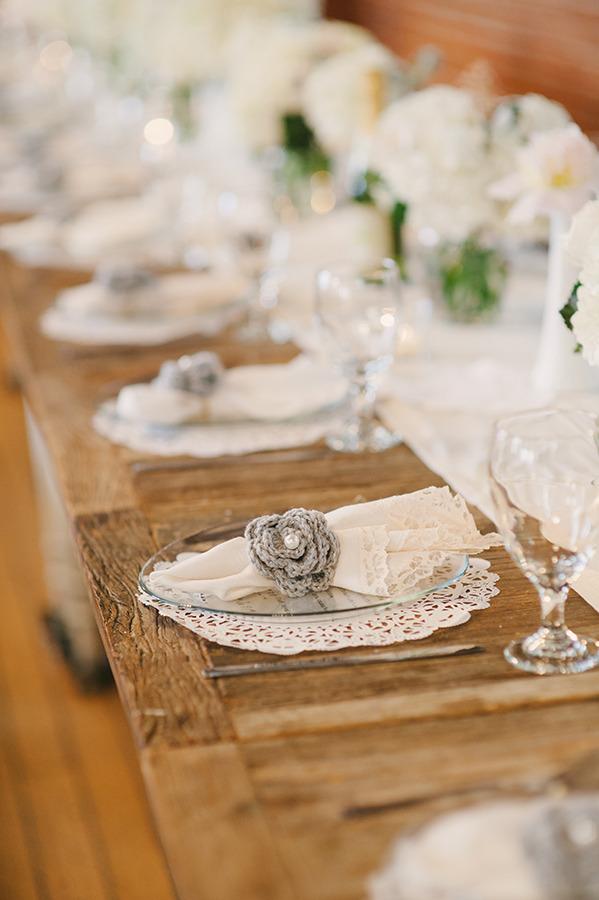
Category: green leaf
[472,278]
[364,185]
[569,308]
[304,154]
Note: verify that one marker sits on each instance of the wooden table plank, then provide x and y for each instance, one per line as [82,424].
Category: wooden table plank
[218,842]
[334,803]
[157,667]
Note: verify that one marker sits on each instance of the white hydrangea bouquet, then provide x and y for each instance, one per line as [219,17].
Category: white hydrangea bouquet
[269,61]
[343,100]
[432,151]
[169,48]
[332,82]
[450,161]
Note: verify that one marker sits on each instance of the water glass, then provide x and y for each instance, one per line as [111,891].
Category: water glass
[545,486]
[358,316]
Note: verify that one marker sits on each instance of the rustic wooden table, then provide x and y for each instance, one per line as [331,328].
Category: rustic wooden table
[292,784]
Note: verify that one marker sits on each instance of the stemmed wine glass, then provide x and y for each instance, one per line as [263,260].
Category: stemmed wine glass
[357,310]
[545,486]
[229,229]
[246,226]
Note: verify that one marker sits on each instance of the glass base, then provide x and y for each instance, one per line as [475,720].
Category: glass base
[553,652]
[375,440]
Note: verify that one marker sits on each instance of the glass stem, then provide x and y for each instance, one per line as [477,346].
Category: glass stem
[363,397]
[553,609]
[254,310]
[254,326]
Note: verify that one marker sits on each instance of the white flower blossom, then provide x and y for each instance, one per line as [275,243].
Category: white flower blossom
[516,119]
[175,41]
[337,93]
[582,241]
[556,173]
[582,247]
[585,323]
[431,148]
[269,63]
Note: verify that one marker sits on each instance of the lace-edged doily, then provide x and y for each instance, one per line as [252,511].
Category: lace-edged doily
[445,608]
[144,332]
[213,440]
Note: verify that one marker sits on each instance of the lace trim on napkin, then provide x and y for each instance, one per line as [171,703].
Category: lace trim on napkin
[445,608]
[407,512]
[373,560]
[434,504]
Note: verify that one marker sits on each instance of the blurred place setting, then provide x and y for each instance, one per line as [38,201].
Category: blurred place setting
[300,450]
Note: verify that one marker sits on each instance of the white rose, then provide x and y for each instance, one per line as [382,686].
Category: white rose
[583,238]
[516,119]
[336,93]
[269,63]
[585,324]
[555,173]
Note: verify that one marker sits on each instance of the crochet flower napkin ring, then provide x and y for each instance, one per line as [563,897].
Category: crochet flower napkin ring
[198,373]
[124,279]
[297,550]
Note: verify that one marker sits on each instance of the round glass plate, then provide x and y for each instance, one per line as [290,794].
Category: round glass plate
[270,604]
[109,410]
[148,316]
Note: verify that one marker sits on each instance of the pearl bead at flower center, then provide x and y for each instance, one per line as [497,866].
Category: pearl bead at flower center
[292,540]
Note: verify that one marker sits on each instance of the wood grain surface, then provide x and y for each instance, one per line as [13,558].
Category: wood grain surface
[74,822]
[546,46]
[292,784]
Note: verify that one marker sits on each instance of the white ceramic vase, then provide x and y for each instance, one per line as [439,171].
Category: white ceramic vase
[557,367]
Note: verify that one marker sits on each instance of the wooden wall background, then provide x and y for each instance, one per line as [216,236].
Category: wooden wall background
[548,46]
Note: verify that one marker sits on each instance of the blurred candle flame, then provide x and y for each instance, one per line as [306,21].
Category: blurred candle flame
[56,56]
[159,131]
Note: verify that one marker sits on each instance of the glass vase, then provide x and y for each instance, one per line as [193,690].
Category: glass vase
[469,278]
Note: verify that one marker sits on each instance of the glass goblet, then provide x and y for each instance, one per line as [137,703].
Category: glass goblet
[246,235]
[357,311]
[545,486]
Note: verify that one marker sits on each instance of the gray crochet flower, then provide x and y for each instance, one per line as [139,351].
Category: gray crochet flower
[199,373]
[297,550]
[124,279]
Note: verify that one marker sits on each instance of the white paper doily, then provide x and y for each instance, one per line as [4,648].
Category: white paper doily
[442,609]
[204,441]
[144,332]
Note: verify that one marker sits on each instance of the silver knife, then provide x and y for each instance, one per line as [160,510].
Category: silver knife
[328,662]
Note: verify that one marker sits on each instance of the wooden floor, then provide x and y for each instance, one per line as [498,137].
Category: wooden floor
[74,824]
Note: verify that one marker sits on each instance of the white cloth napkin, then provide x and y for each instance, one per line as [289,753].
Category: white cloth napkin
[37,231]
[97,177]
[386,547]
[102,229]
[111,226]
[268,393]
[179,294]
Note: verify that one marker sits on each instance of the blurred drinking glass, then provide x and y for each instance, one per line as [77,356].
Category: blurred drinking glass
[358,315]
[545,485]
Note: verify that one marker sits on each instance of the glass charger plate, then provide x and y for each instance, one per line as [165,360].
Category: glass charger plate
[272,605]
[149,316]
[108,409]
